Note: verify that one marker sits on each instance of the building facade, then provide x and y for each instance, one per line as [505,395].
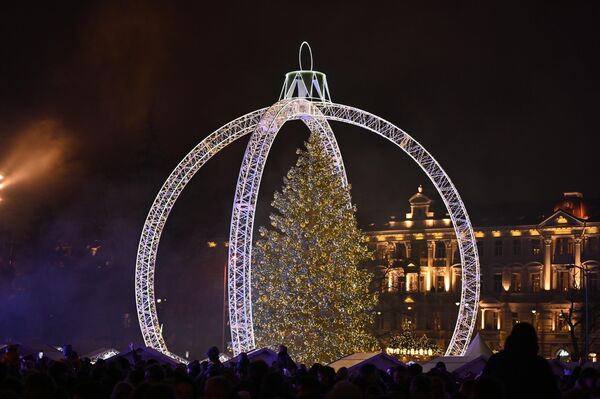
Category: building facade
[529,272]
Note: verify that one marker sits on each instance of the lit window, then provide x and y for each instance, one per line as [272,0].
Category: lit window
[534,282]
[562,280]
[561,323]
[515,318]
[492,319]
[536,247]
[440,283]
[515,282]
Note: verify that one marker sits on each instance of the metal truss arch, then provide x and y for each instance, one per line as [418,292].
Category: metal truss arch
[266,122]
[159,212]
[244,207]
[470,290]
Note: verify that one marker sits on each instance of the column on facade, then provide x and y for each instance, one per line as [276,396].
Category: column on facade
[453,272]
[448,272]
[483,318]
[577,274]
[547,264]
[430,248]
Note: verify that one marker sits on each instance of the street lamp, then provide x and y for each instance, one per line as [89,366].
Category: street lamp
[585,272]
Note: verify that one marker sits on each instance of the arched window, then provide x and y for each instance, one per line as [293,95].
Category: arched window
[562,354]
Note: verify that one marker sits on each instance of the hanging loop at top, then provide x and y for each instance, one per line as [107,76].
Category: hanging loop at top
[309,53]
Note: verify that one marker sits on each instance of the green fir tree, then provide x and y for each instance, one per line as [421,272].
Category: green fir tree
[309,292]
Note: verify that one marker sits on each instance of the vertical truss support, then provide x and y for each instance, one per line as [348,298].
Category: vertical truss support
[159,212]
[244,207]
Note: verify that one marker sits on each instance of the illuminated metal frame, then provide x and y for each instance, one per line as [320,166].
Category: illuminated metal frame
[265,124]
[244,207]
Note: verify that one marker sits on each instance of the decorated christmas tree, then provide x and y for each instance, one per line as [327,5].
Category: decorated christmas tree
[406,343]
[309,292]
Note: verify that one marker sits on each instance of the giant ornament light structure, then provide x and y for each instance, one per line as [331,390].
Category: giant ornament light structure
[305,96]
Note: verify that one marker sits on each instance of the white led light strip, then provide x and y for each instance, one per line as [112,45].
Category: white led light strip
[265,124]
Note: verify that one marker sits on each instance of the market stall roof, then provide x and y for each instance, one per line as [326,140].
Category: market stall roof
[352,362]
[268,355]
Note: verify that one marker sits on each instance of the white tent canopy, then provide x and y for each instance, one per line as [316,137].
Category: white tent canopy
[352,362]
[477,354]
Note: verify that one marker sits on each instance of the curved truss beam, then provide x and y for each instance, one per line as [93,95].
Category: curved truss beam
[159,212]
[193,161]
[469,299]
[244,207]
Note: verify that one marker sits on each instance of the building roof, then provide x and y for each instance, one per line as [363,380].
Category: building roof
[518,213]
[146,353]
[478,347]
[419,198]
[352,362]
[33,349]
[266,354]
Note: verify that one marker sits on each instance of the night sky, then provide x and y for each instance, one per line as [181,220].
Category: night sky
[98,103]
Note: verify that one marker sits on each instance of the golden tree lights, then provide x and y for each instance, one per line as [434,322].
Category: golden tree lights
[405,344]
[307,288]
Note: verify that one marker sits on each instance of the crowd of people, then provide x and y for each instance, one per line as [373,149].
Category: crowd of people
[516,372]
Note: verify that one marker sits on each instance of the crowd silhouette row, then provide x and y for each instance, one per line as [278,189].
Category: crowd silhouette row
[513,373]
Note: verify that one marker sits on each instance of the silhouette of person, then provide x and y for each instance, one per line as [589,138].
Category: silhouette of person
[522,373]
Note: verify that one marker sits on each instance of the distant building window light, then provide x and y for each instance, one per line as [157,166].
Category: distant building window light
[535,247]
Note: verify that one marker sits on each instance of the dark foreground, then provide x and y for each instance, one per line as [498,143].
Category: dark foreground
[516,372]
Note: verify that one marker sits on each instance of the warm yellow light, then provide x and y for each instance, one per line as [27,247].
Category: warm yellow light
[563,230]
[409,300]
[211,244]
[438,235]
[429,222]
[516,233]
[419,236]
[408,223]
[447,222]
[496,233]
[561,219]
[592,230]
[479,234]
[534,232]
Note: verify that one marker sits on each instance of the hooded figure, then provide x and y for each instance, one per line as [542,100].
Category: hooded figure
[522,373]
[284,361]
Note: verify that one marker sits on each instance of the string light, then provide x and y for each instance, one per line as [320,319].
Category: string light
[308,291]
